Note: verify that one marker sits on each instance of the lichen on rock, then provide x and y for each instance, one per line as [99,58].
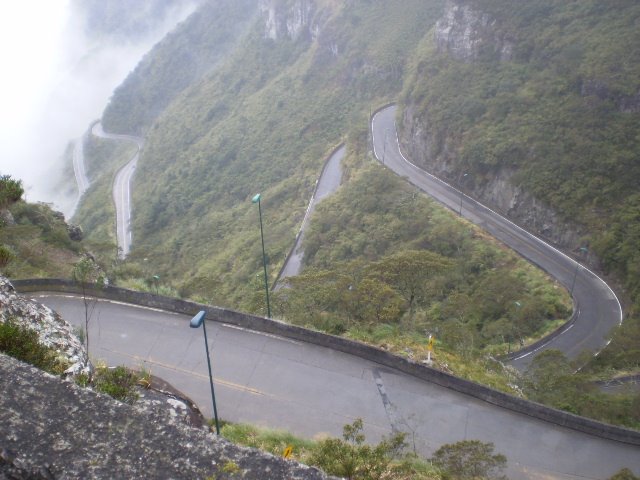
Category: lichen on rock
[53,331]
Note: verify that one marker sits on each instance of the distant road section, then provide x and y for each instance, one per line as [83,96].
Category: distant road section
[329,181]
[598,310]
[79,172]
[122,189]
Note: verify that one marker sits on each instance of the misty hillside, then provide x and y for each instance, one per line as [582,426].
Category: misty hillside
[536,102]
[116,19]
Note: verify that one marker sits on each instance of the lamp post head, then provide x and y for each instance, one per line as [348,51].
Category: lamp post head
[256,198]
[198,319]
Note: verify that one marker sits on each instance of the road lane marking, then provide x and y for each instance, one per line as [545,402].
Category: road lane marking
[175,368]
[528,235]
[270,335]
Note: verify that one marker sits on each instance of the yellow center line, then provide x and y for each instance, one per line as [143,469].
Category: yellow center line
[175,368]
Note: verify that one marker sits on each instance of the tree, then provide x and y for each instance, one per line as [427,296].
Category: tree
[469,459]
[624,474]
[5,256]
[86,273]
[351,458]
[408,273]
[550,379]
[10,190]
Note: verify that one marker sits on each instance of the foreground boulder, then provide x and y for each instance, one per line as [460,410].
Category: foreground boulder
[52,429]
[52,330]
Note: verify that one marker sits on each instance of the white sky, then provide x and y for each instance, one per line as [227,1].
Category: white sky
[30,51]
[53,84]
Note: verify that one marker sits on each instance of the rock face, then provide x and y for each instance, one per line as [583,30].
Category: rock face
[464,33]
[287,19]
[54,429]
[52,330]
[601,91]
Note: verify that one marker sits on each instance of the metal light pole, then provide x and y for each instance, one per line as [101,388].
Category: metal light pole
[461,194]
[575,273]
[384,150]
[256,199]
[195,323]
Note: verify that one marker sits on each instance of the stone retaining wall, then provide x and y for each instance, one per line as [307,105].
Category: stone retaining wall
[367,352]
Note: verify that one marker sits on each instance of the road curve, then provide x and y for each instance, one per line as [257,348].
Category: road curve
[122,189]
[82,181]
[310,390]
[329,181]
[598,310]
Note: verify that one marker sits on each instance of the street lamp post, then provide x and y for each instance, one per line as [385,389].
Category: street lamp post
[575,273]
[256,199]
[461,194]
[195,323]
[384,149]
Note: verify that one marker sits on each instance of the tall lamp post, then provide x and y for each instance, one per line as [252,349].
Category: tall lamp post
[462,194]
[195,323]
[256,199]
[575,273]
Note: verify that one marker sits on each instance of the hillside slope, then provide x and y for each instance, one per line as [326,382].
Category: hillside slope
[535,108]
[306,74]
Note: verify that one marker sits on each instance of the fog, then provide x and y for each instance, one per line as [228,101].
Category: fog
[55,81]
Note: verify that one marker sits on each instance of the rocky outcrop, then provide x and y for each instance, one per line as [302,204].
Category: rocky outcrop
[498,190]
[53,429]
[288,19]
[464,33]
[601,91]
[52,330]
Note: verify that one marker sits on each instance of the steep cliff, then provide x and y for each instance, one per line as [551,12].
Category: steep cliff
[530,106]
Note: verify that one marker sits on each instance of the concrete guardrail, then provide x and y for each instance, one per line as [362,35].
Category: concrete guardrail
[261,324]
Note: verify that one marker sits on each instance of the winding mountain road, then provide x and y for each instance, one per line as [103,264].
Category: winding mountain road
[329,181]
[310,390]
[598,310]
[122,189]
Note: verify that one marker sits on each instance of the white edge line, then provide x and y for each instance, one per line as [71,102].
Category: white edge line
[529,234]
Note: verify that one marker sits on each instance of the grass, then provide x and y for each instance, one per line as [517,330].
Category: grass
[404,467]
[23,344]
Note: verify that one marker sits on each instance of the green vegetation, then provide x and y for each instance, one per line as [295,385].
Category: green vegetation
[10,190]
[561,116]
[624,474]
[557,114]
[119,383]
[88,275]
[183,59]
[469,459]
[351,457]
[387,266]
[38,244]
[22,343]
[193,219]
[552,379]
[96,212]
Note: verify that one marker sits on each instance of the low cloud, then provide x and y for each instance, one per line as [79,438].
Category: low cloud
[58,80]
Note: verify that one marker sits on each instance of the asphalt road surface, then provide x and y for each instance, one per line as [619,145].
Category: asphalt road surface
[329,181]
[598,309]
[309,390]
[122,190]
[82,181]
